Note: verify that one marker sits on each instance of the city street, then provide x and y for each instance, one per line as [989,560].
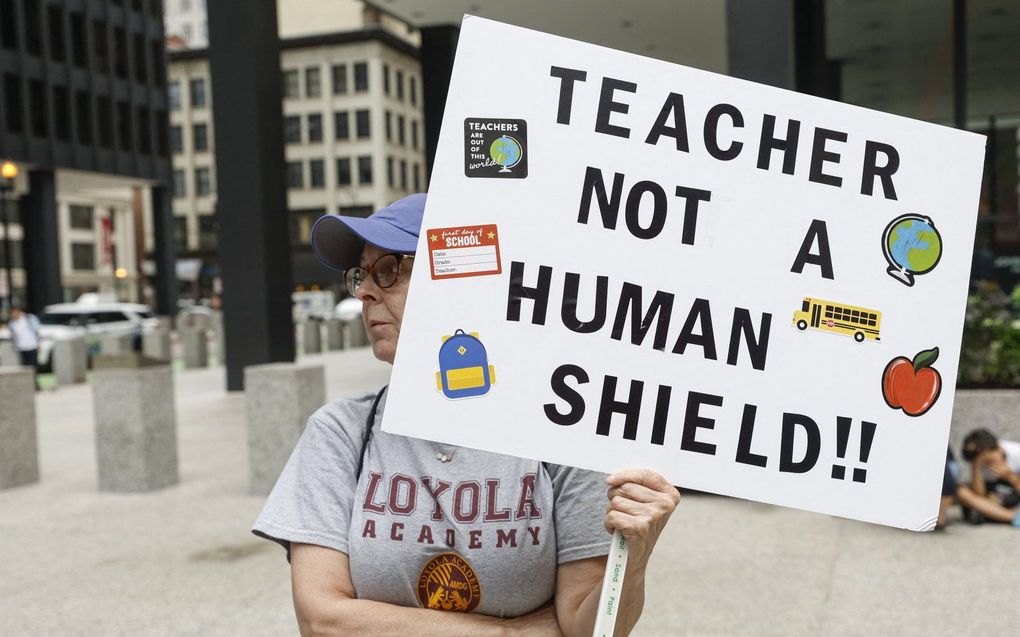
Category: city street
[182,562]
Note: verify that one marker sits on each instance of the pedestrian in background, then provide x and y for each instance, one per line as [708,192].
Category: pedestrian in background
[24,328]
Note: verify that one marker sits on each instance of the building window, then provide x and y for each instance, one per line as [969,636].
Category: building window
[156,8]
[80,217]
[339,79]
[314,127]
[417,177]
[203,183]
[83,113]
[62,113]
[386,78]
[157,53]
[389,126]
[185,6]
[162,126]
[83,256]
[207,232]
[401,130]
[291,83]
[292,129]
[363,124]
[187,33]
[33,27]
[12,103]
[389,172]
[8,26]
[181,233]
[295,174]
[37,108]
[341,125]
[124,125]
[79,48]
[414,90]
[105,122]
[365,170]
[317,173]
[361,77]
[198,93]
[200,137]
[400,85]
[343,171]
[180,185]
[55,17]
[141,70]
[414,134]
[176,140]
[144,131]
[173,91]
[403,174]
[313,85]
[120,56]
[101,46]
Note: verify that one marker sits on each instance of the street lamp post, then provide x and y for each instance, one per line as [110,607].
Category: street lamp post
[8,171]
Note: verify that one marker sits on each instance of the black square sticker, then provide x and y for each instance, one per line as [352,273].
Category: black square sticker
[496,148]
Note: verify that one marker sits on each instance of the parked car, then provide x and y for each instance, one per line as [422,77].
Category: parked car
[92,319]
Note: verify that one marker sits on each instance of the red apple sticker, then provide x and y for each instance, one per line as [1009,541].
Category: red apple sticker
[912,385]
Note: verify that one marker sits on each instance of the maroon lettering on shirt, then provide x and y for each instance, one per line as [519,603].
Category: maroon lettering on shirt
[527,508]
[506,537]
[469,492]
[425,537]
[442,487]
[491,492]
[373,484]
[533,530]
[451,538]
[395,531]
[475,539]
[369,529]
[409,491]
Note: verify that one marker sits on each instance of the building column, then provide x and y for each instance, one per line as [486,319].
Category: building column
[41,242]
[781,43]
[254,244]
[960,64]
[438,47]
[164,252]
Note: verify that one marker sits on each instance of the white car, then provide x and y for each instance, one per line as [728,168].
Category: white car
[91,320]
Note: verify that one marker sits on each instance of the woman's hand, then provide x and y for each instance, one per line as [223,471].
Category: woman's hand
[640,503]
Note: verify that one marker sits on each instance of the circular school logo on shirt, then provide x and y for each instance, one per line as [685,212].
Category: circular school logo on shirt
[448,582]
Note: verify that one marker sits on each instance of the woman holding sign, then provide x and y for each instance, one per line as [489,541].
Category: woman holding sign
[384,532]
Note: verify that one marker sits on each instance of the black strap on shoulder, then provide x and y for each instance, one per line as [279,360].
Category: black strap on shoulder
[369,422]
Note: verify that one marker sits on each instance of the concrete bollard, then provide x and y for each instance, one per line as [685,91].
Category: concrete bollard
[19,446]
[70,360]
[116,344]
[196,348]
[8,355]
[334,334]
[156,345]
[356,334]
[313,336]
[136,428]
[280,398]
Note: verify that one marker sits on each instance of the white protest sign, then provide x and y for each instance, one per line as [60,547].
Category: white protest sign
[754,292]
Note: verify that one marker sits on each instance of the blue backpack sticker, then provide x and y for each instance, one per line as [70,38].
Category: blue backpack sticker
[464,369]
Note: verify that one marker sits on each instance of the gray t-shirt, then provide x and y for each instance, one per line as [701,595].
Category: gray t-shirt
[434,525]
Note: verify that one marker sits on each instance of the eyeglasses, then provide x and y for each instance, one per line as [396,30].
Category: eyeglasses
[384,271]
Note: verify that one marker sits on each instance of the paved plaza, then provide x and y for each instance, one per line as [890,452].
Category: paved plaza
[181,561]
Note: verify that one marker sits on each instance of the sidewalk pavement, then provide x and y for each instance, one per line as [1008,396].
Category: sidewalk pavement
[181,561]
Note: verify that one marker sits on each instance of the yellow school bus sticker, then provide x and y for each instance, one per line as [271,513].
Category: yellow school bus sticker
[839,318]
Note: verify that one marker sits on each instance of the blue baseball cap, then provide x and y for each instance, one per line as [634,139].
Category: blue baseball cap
[338,240]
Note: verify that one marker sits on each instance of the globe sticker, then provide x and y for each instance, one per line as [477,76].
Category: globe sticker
[912,386]
[912,246]
[496,148]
